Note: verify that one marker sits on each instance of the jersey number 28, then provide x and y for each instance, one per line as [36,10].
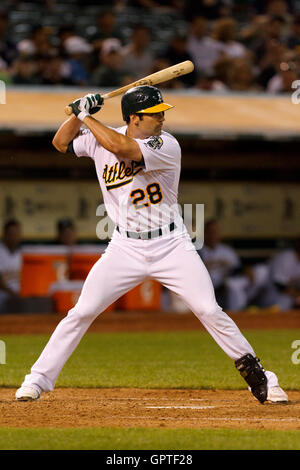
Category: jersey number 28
[154,196]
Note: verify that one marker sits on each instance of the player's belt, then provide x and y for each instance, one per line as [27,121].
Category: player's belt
[147,235]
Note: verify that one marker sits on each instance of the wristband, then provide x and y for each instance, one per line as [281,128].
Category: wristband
[82,115]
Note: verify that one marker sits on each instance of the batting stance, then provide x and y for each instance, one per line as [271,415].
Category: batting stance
[138,167]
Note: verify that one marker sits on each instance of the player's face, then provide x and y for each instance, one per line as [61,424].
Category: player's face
[151,123]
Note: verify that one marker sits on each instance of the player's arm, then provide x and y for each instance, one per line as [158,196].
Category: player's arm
[66,133]
[119,144]
[122,146]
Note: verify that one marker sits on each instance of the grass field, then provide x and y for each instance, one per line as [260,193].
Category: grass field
[147,439]
[190,360]
[153,360]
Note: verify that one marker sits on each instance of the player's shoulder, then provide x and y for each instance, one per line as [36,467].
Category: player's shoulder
[169,137]
[163,142]
[86,135]
[89,136]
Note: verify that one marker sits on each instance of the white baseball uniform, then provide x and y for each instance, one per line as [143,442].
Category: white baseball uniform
[138,190]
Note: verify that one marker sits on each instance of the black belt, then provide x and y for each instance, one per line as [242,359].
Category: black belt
[146,235]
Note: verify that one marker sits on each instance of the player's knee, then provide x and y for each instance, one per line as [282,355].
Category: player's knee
[85,313]
[207,309]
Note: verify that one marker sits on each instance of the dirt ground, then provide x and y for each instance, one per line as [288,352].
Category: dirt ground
[145,321]
[148,408]
[195,409]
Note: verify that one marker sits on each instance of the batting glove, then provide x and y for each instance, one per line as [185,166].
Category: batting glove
[86,106]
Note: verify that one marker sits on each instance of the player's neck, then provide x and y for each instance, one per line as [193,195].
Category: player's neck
[136,133]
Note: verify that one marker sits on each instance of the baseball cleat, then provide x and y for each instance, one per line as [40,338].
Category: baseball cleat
[277,395]
[262,384]
[27,393]
[253,373]
[260,392]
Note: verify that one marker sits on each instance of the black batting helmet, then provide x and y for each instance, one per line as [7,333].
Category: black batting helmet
[143,99]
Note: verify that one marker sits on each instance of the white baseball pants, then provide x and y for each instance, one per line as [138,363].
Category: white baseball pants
[172,261]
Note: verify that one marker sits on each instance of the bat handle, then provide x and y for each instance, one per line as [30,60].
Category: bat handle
[68,110]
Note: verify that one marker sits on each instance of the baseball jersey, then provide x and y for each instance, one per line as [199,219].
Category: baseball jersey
[138,196]
[10,267]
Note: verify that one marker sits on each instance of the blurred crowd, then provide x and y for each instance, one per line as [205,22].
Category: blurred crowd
[236,45]
[272,284]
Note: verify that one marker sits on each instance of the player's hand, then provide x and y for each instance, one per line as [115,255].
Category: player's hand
[93,102]
[87,105]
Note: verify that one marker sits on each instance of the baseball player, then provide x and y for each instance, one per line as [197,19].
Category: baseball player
[138,167]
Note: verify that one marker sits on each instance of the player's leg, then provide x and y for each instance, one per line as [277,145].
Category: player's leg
[109,279]
[180,269]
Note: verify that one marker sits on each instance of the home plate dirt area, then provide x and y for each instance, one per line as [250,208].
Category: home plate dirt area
[67,407]
[130,407]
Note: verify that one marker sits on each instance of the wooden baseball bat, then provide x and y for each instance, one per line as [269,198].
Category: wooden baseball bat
[158,77]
